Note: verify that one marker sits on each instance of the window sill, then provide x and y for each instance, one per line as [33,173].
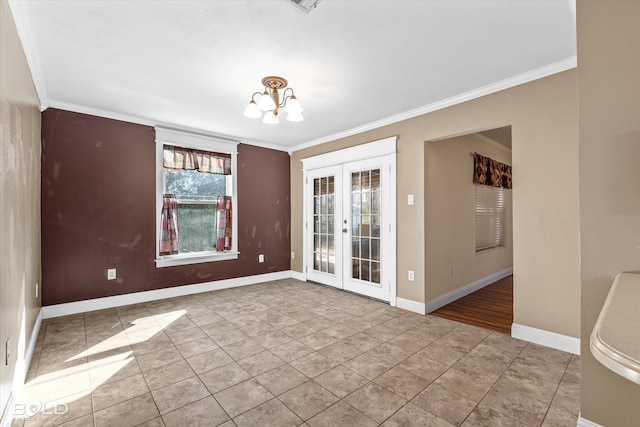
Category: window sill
[185,259]
[491,249]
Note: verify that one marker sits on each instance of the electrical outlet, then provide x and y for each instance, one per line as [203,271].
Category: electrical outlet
[6,353]
[261,258]
[37,289]
[111,274]
[411,276]
[293,255]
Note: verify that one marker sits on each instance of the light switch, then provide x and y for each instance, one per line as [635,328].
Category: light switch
[410,199]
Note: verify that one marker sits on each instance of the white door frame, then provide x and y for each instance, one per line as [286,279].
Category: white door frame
[383,147]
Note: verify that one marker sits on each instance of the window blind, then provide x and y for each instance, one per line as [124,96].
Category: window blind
[490,217]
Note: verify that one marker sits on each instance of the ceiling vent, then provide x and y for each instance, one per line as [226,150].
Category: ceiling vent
[304,6]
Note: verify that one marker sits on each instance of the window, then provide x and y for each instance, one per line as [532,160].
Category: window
[196,218]
[490,217]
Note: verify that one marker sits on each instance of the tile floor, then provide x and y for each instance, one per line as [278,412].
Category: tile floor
[289,353]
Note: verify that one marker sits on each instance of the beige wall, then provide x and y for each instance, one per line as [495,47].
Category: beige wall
[450,216]
[19,201]
[546,260]
[545,208]
[609,123]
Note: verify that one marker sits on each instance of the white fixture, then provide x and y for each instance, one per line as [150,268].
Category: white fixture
[111,274]
[411,276]
[269,102]
[410,199]
[261,258]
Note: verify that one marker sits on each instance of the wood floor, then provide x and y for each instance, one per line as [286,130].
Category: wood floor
[490,307]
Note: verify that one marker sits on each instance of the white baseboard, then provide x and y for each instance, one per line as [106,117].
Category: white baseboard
[445,299]
[586,423]
[407,304]
[546,338]
[20,373]
[298,276]
[66,309]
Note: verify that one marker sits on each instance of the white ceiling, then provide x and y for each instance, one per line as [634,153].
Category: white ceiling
[353,65]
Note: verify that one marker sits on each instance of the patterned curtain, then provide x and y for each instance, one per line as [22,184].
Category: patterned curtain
[169,227]
[491,172]
[223,219]
[202,161]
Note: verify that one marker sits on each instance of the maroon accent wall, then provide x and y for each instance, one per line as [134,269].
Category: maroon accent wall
[98,211]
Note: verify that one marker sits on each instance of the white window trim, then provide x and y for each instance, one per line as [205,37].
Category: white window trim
[165,136]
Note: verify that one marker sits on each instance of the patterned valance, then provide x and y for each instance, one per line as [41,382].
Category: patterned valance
[491,172]
[202,161]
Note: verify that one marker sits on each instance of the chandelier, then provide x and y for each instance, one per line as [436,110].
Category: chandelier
[269,101]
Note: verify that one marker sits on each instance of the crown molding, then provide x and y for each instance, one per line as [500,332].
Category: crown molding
[83,109]
[510,82]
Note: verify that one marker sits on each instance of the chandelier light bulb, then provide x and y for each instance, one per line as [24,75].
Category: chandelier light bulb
[266,103]
[295,116]
[270,118]
[293,105]
[252,111]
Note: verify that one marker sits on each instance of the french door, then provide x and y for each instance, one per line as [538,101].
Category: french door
[349,227]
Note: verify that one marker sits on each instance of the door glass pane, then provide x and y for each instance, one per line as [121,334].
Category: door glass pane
[375,225]
[365,226]
[323,224]
[355,247]
[355,222]
[355,181]
[325,253]
[331,255]
[375,272]
[355,203]
[364,270]
[375,203]
[366,203]
[375,180]
[375,249]
[355,269]
[366,182]
[364,248]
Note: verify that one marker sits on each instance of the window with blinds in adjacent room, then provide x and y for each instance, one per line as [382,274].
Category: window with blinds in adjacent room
[490,217]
